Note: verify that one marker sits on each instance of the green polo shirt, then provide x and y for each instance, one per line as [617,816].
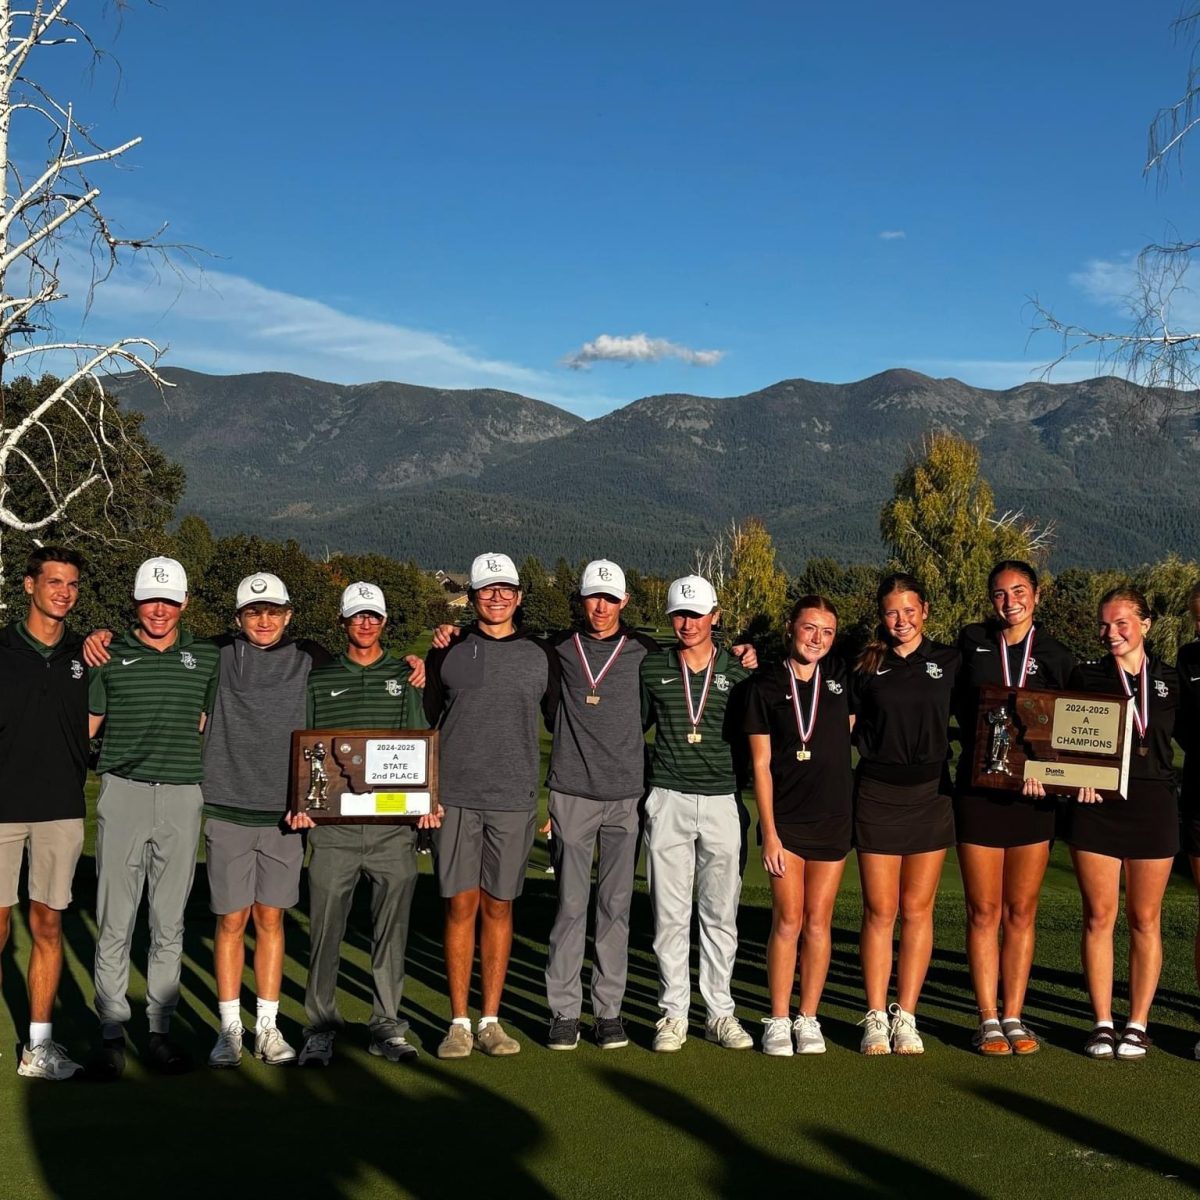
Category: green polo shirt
[151,702]
[41,647]
[705,767]
[344,695]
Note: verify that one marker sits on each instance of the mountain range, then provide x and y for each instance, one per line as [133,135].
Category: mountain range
[439,475]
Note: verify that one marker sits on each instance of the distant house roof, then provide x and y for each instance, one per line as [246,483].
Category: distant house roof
[452,581]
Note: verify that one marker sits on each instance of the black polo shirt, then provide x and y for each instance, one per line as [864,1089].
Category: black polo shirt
[1050,666]
[903,713]
[821,785]
[43,727]
[1101,677]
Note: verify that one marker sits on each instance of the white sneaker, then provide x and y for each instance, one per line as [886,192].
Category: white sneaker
[777,1037]
[317,1050]
[270,1046]
[47,1060]
[228,1050]
[905,1039]
[728,1033]
[877,1035]
[671,1034]
[807,1032]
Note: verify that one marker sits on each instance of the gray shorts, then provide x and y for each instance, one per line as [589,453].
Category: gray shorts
[484,848]
[54,850]
[252,864]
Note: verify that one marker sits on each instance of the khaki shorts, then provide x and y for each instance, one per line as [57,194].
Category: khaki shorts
[54,850]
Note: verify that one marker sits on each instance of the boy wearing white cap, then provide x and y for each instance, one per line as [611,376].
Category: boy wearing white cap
[252,857]
[693,824]
[364,688]
[484,693]
[151,698]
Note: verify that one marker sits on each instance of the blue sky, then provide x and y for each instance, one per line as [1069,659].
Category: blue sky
[507,195]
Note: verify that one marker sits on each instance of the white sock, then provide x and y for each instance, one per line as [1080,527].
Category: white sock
[1128,1025]
[230,1012]
[465,1022]
[484,1022]
[39,1032]
[1104,1024]
[160,1023]
[265,1012]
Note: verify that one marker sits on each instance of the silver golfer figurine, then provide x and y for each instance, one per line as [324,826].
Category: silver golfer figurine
[318,780]
[1000,743]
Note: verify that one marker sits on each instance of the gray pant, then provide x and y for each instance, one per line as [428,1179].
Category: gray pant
[694,841]
[576,822]
[341,855]
[146,835]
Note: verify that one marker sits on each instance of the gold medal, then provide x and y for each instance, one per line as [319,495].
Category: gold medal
[594,680]
[592,699]
[803,755]
[695,736]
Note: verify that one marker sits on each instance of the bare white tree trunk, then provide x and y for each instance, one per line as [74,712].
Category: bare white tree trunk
[39,216]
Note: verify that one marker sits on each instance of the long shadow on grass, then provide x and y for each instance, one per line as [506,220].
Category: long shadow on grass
[738,1166]
[349,1128]
[1090,1133]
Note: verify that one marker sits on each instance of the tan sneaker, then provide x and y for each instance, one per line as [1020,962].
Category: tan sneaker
[495,1043]
[457,1043]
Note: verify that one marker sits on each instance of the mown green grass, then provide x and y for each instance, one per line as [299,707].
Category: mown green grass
[625,1123]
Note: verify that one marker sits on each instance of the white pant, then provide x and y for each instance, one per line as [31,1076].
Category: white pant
[694,841]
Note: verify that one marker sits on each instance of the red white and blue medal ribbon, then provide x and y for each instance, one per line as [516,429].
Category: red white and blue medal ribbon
[1025,657]
[594,681]
[1141,710]
[805,730]
[696,713]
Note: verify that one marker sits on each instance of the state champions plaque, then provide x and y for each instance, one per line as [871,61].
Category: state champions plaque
[1067,740]
[364,776]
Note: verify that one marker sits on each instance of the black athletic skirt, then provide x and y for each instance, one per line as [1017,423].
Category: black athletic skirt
[1146,825]
[1189,807]
[1003,819]
[825,840]
[894,818]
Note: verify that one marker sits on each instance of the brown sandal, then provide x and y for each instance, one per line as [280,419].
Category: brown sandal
[990,1040]
[1019,1039]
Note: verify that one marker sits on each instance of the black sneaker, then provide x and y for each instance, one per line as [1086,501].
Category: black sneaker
[167,1056]
[610,1033]
[107,1063]
[564,1033]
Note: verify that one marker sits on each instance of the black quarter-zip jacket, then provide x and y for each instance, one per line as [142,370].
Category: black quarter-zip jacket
[43,728]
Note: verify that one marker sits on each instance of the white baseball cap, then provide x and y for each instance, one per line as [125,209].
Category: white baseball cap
[493,568]
[692,593]
[363,597]
[160,578]
[602,578]
[262,588]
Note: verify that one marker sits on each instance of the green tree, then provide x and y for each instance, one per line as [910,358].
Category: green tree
[941,526]
[753,594]
[114,526]
[1166,585]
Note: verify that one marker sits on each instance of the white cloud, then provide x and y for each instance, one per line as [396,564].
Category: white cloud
[1116,285]
[892,235]
[637,348]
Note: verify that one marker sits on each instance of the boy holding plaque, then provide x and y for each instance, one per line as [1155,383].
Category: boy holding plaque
[693,816]
[364,688]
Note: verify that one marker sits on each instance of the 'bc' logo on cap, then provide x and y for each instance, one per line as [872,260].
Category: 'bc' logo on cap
[364,591]
[493,565]
[604,573]
[161,575]
[688,591]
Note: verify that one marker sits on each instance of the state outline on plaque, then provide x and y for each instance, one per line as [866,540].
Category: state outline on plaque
[1066,739]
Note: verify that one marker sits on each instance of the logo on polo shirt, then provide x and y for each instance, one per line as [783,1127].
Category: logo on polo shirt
[1160,689]
[394,687]
[1032,669]
[935,672]
[721,683]
[76,669]
[188,659]
[834,686]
